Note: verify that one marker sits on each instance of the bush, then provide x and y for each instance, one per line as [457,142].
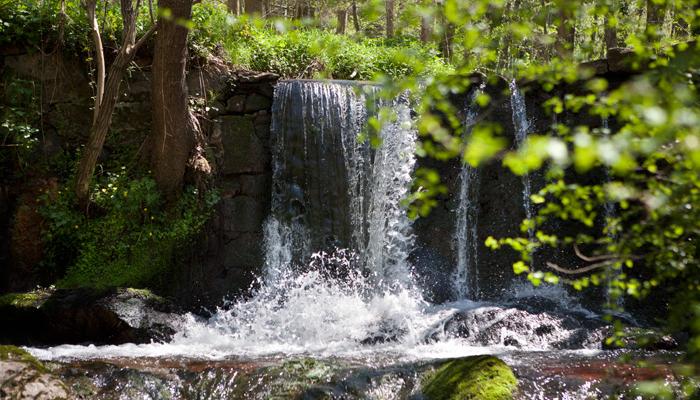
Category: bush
[293,50]
[129,241]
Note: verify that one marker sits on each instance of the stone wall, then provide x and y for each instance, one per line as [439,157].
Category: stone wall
[236,108]
[230,252]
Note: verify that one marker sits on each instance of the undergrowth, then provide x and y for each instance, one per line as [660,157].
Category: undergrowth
[129,238]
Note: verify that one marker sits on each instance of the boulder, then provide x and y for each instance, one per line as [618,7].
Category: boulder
[477,377]
[643,339]
[52,317]
[24,377]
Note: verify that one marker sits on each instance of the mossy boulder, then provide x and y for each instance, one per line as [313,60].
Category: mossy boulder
[23,377]
[470,378]
[57,316]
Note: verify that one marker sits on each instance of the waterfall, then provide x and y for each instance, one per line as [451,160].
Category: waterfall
[522,129]
[466,278]
[332,190]
[609,213]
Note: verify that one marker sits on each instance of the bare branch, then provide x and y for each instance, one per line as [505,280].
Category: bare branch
[593,258]
[145,37]
[576,271]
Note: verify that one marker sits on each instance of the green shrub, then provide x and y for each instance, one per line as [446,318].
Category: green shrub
[128,241]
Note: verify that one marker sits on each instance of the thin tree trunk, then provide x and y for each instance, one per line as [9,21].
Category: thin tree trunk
[389,18]
[355,17]
[448,31]
[172,137]
[99,55]
[100,126]
[426,28]
[566,31]
[610,35]
[254,7]
[656,14]
[234,6]
[342,21]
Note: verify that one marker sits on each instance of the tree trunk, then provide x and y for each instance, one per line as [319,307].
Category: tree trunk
[100,126]
[389,18]
[172,137]
[99,55]
[355,17]
[234,6]
[566,31]
[342,21]
[448,31]
[426,26]
[251,6]
[656,14]
[610,35]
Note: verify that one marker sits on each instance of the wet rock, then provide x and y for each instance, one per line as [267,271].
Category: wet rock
[48,317]
[478,377]
[643,339]
[516,327]
[23,377]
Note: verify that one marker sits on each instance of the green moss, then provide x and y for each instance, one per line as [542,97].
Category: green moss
[15,353]
[25,300]
[478,377]
[144,294]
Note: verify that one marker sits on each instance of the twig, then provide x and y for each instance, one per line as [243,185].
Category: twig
[576,271]
[580,255]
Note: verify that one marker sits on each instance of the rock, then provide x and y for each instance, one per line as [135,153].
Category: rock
[494,325]
[48,317]
[236,104]
[477,378]
[619,59]
[244,152]
[23,377]
[257,102]
[642,339]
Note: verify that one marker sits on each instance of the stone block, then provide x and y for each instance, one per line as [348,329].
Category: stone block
[241,214]
[257,102]
[236,104]
[244,152]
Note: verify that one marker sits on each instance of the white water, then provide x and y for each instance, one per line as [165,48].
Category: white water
[466,278]
[358,302]
[522,129]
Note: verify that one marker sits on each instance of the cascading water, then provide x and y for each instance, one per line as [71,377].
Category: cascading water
[609,214]
[465,283]
[522,129]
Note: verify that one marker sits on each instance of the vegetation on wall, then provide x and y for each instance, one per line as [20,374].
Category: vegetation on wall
[129,238]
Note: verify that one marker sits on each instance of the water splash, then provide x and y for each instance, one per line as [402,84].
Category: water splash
[337,281]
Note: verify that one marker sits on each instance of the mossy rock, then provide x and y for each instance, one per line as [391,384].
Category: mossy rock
[35,298]
[470,378]
[14,353]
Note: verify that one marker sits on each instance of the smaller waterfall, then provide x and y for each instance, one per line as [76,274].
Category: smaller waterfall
[522,129]
[610,213]
[390,238]
[466,278]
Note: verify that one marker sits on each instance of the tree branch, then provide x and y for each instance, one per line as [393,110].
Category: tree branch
[604,257]
[576,271]
[145,37]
